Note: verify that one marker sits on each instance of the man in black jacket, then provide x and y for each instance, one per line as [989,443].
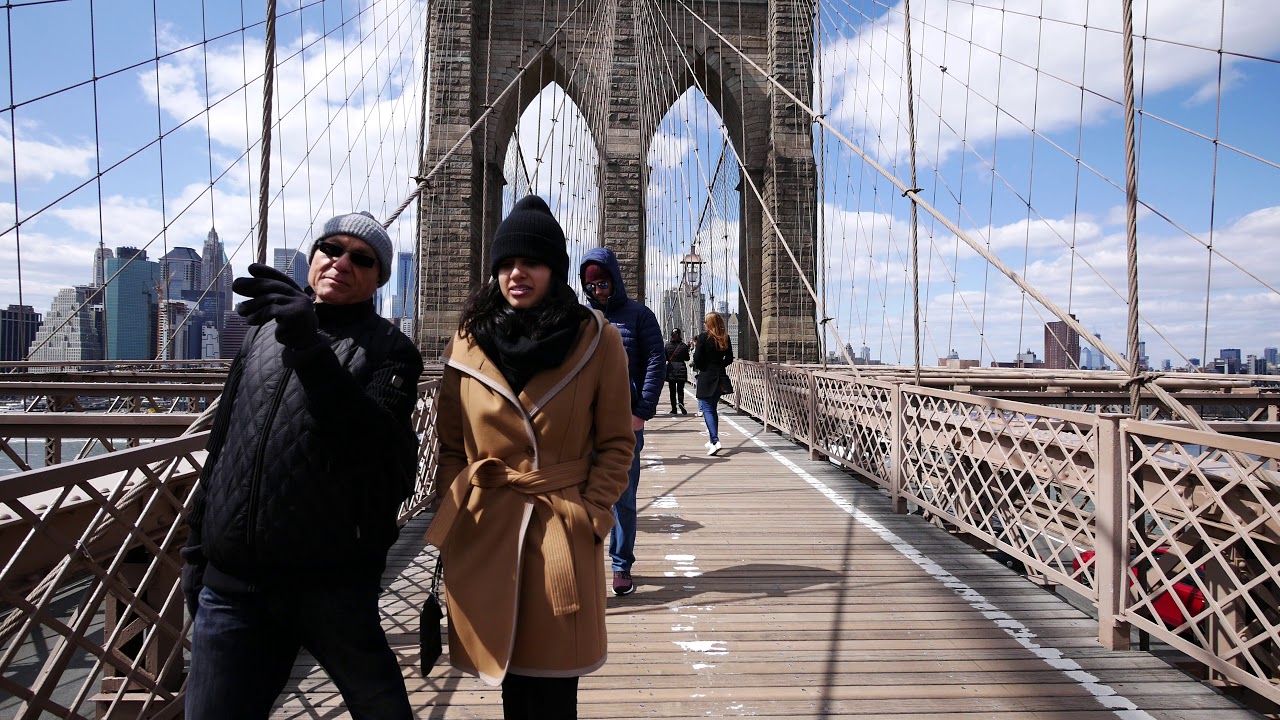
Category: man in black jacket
[311,453]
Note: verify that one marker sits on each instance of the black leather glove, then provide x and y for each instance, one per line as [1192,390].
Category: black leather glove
[192,577]
[273,295]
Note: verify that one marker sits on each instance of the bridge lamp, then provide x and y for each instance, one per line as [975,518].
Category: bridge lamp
[691,270]
[691,274]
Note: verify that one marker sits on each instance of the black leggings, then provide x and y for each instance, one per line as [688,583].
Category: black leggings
[677,394]
[539,698]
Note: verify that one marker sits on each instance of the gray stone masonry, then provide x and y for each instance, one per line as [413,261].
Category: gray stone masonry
[624,81]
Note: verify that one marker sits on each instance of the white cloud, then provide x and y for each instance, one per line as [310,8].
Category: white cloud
[991,55]
[41,157]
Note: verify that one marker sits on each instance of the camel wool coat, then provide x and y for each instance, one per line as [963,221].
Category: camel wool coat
[526,487]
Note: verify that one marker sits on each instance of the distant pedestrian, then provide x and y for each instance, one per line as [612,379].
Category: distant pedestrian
[646,361]
[677,371]
[535,441]
[712,354]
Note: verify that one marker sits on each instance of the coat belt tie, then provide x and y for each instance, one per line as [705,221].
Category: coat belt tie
[553,490]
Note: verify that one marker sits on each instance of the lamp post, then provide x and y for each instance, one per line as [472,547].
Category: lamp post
[691,279]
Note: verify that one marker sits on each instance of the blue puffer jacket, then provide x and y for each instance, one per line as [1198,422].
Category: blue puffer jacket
[641,336]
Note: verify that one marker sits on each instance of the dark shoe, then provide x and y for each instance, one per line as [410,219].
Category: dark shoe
[622,584]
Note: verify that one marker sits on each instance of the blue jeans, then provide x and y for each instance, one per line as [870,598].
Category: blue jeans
[244,645]
[622,540]
[709,408]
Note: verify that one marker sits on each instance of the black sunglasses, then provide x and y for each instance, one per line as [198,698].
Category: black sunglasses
[335,251]
[603,285]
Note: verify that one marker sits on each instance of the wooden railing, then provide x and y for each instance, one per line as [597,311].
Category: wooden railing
[92,617]
[1172,531]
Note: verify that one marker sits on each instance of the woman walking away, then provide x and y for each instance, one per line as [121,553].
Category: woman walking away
[534,453]
[711,355]
[677,370]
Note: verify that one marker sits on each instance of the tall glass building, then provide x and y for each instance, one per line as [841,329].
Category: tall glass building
[131,305]
[291,263]
[18,327]
[406,286]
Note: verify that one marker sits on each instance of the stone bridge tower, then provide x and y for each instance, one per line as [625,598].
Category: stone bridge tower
[477,51]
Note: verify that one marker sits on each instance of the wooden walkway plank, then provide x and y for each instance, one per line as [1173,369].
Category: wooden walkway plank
[767,592]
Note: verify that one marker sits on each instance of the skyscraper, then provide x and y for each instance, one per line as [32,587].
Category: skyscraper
[100,265]
[682,310]
[181,269]
[291,263]
[18,327]
[1061,346]
[232,336]
[215,282]
[406,288]
[71,329]
[1231,360]
[179,316]
[131,305]
[180,330]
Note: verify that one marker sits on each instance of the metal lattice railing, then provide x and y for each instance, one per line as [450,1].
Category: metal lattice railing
[1203,521]
[92,617]
[854,424]
[1171,531]
[1019,476]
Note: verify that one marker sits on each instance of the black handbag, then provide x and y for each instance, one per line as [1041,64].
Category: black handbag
[726,385]
[432,623]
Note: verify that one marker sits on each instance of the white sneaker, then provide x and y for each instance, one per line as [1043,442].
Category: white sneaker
[707,444]
[713,448]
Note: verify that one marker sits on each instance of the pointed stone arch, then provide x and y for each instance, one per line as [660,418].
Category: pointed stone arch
[477,51]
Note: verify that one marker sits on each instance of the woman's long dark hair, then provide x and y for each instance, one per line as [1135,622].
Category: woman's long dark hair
[487,314]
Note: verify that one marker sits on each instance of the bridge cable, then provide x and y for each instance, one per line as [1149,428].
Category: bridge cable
[915,223]
[264,172]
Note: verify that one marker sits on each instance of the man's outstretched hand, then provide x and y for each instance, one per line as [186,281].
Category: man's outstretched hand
[273,295]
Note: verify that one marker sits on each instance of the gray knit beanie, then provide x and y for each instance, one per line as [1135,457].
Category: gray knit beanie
[366,227]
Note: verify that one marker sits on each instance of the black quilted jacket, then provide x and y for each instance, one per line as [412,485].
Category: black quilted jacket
[310,456]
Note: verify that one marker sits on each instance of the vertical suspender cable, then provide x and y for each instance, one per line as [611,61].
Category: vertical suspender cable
[268,89]
[420,298]
[915,228]
[1131,203]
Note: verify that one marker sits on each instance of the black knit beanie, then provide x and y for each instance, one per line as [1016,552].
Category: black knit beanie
[531,231]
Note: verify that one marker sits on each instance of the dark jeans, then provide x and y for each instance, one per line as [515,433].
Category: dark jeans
[539,698]
[622,539]
[677,394]
[244,645]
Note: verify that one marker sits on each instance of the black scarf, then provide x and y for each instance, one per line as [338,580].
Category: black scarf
[519,356]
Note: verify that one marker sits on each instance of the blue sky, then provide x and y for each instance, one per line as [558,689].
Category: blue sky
[350,144]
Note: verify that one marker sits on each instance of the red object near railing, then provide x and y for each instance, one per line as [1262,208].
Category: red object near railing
[1165,605]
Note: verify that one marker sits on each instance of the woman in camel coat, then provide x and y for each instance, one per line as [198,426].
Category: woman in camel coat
[535,443]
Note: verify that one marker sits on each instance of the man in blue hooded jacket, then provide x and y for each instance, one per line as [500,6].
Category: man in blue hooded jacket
[647,361]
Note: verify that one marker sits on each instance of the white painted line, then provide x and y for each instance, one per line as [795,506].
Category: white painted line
[1107,696]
